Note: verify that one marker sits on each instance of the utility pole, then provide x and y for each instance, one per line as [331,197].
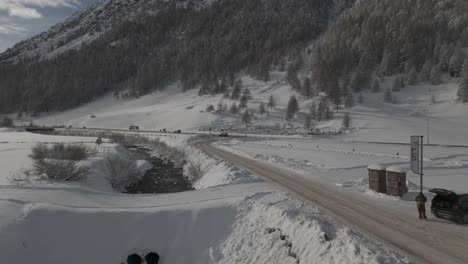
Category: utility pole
[422,162]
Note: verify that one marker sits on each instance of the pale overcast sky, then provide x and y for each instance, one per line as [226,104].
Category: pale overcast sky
[21,19]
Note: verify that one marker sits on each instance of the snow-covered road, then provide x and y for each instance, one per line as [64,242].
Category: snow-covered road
[424,242]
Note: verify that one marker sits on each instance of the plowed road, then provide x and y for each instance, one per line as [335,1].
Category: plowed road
[420,241]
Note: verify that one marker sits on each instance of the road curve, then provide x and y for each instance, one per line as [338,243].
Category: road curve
[420,241]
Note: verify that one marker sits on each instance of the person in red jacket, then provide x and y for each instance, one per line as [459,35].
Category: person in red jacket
[421,204]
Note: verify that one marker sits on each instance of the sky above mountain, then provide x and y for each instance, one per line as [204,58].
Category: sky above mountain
[22,19]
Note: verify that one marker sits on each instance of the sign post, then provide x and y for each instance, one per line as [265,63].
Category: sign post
[417,157]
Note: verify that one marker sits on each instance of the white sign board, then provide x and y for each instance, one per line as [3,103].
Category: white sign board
[416,143]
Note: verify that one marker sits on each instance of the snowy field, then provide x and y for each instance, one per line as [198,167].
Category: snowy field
[444,167]
[15,147]
[234,223]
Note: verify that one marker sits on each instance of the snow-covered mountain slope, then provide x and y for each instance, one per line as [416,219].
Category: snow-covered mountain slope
[172,109]
[85,26]
[132,48]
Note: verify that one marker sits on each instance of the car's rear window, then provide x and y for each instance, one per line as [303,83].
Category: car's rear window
[444,201]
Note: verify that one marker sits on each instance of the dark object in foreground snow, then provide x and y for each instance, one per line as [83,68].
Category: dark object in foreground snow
[134,259]
[152,258]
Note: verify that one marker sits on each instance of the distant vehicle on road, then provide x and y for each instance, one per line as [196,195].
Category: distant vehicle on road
[133,128]
[178,131]
[449,205]
[224,134]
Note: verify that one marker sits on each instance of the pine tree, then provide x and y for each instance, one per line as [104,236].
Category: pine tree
[335,94]
[203,89]
[246,117]
[292,108]
[376,86]
[220,107]
[307,88]
[243,102]
[292,78]
[226,94]
[19,116]
[349,101]
[313,111]
[282,65]
[233,108]
[412,76]
[6,122]
[221,87]
[210,108]
[321,110]
[456,62]
[261,109]
[463,86]
[346,121]
[396,84]
[307,122]
[263,71]
[425,73]
[362,77]
[247,94]
[271,102]
[436,75]
[402,82]
[328,113]
[388,97]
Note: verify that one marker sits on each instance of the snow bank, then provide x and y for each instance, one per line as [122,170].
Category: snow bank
[214,172]
[375,194]
[262,228]
[6,129]
[273,228]
[218,173]
[398,169]
[57,234]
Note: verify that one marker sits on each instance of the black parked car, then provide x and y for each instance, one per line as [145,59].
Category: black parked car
[224,134]
[449,205]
